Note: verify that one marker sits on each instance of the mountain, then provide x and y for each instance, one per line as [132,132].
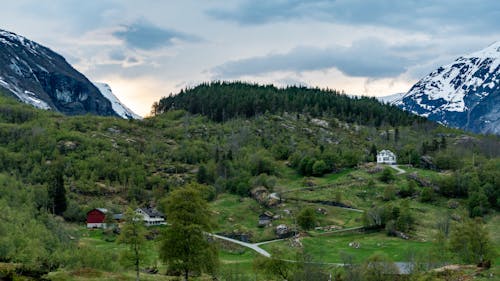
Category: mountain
[391,99]
[36,75]
[122,110]
[464,94]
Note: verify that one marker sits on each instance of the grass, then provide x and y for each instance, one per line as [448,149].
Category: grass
[331,249]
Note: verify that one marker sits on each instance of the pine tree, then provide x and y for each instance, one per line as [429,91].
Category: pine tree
[373,152]
[56,191]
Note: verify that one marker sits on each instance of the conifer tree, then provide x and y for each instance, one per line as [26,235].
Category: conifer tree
[56,191]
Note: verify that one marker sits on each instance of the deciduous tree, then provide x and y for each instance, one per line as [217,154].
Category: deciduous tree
[132,234]
[185,245]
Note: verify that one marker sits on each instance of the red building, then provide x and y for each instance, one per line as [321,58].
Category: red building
[96,218]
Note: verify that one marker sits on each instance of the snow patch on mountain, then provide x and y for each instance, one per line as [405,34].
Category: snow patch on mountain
[25,96]
[391,99]
[120,109]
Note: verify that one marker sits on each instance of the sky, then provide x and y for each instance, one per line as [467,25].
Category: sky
[149,49]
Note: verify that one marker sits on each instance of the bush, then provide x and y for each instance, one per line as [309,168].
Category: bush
[427,194]
[389,193]
[307,218]
[319,168]
[387,175]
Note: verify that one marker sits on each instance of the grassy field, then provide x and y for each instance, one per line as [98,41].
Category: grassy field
[331,249]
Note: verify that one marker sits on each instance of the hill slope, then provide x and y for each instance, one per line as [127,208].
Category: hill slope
[464,94]
[109,162]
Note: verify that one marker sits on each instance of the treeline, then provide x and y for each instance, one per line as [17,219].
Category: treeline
[221,101]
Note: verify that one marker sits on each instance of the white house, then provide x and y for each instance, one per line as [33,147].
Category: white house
[386,157]
[151,216]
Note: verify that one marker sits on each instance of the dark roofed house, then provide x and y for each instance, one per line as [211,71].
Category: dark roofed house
[151,216]
[118,217]
[265,219]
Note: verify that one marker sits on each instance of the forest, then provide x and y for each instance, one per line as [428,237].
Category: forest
[221,101]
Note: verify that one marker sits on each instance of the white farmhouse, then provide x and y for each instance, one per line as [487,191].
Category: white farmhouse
[151,216]
[386,157]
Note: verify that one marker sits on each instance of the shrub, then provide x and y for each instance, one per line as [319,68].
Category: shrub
[387,175]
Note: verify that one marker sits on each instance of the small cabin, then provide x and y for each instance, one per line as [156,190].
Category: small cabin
[265,219]
[96,218]
[386,157]
[151,216]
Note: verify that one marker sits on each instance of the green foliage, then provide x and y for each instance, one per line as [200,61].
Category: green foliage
[184,246]
[477,203]
[306,219]
[427,194]
[387,175]
[133,235]
[389,193]
[56,191]
[31,237]
[275,266]
[470,242]
[379,267]
[319,168]
[409,189]
[391,217]
[221,101]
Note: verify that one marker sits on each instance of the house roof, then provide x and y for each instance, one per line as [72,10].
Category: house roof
[385,151]
[102,210]
[152,212]
[118,216]
[264,215]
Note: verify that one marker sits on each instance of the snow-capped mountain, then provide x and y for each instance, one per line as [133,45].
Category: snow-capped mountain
[36,75]
[122,110]
[464,94]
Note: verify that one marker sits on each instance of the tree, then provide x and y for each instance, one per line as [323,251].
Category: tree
[307,218]
[379,267]
[185,246]
[427,194]
[387,176]
[405,219]
[319,167]
[373,153]
[389,193]
[274,266]
[471,242]
[477,204]
[132,234]
[202,175]
[56,191]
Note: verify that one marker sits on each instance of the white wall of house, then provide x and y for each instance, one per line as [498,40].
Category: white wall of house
[96,225]
[149,221]
[386,157]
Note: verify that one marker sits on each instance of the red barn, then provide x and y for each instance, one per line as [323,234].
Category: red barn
[96,218]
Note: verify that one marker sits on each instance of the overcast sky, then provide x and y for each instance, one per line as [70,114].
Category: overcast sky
[148,49]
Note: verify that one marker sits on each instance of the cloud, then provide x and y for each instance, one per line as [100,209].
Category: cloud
[365,58]
[144,35]
[433,15]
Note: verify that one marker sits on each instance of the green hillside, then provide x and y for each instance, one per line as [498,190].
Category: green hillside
[308,145]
